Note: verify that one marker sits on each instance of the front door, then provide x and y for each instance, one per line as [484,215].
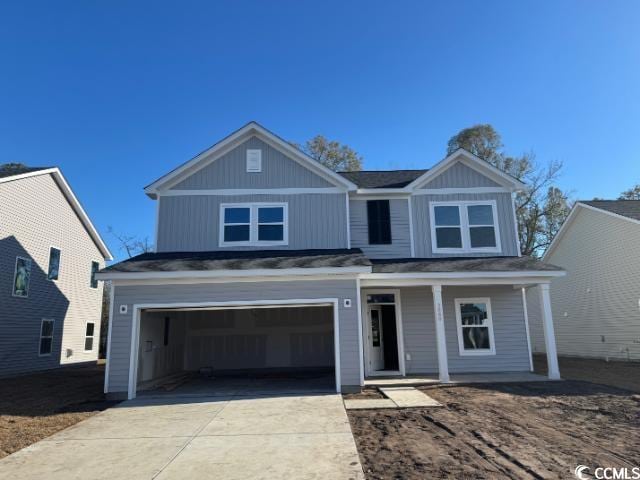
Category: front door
[376,345]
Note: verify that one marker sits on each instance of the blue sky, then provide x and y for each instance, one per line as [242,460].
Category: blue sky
[118,93]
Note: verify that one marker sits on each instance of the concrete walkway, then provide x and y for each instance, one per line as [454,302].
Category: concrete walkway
[183,437]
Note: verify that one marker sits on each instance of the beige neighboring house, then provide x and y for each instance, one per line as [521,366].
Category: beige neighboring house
[50,301]
[596,306]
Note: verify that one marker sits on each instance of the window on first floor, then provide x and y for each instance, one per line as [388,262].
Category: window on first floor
[46,336]
[459,227]
[95,266]
[475,326]
[54,263]
[253,224]
[89,336]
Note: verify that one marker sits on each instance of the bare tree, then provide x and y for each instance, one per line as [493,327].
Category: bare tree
[632,194]
[130,244]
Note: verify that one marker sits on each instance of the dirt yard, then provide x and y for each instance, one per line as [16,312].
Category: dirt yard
[529,430]
[617,374]
[33,407]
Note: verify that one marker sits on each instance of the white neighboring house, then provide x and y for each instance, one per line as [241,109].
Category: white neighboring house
[50,300]
[596,306]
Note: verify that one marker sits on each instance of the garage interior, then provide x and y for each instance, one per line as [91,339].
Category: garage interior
[197,349]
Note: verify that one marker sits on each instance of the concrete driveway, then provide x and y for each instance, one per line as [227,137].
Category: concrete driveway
[241,436]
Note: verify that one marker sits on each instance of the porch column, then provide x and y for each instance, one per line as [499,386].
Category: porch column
[549,336]
[443,364]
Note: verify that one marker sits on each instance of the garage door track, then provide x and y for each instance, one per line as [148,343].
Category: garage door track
[300,436]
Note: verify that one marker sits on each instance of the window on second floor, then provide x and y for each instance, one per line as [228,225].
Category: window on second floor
[95,266]
[54,263]
[464,227]
[253,224]
[379,222]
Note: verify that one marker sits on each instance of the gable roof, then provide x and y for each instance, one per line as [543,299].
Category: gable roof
[382,178]
[233,140]
[71,198]
[472,161]
[626,210]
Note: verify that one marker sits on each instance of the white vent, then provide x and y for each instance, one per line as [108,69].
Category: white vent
[254,160]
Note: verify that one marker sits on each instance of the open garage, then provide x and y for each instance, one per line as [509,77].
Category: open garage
[195,349]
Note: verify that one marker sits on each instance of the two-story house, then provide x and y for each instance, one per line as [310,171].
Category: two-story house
[267,261]
[50,300]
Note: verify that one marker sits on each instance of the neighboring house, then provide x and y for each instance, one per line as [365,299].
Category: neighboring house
[50,301]
[596,307]
[268,260]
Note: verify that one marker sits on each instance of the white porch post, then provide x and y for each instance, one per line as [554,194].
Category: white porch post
[549,336]
[443,364]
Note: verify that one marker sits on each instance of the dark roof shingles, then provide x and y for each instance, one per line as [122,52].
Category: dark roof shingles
[19,171]
[485,264]
[241,260]
[382,179]
[626,208]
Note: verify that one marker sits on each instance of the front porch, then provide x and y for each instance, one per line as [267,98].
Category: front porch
[465,329]
[455,379]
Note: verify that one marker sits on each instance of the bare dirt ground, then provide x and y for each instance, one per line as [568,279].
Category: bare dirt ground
[526,430]
[32,407]
[617,374]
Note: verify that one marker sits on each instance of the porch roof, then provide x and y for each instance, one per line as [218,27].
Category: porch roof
[463,265]
[240,260]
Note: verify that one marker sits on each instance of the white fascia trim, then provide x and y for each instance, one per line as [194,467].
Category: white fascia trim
[73,200]
[471,161]
[248,191]
[449,191]
[223,146]
[229,274]
[571,217]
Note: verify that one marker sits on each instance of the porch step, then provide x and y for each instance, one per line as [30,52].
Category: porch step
[407,397]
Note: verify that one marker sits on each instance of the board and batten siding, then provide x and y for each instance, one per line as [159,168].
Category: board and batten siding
[230,171]
[460,176]
[596,306]
[191,222]
[418,325]
[218,292]
[34,216]
[400,246]
[422,223]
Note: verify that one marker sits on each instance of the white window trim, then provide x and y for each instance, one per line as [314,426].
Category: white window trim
[464,226]
[49,264]
[93,337]
[40,337]
[15,274]
[461,350]
[253,224]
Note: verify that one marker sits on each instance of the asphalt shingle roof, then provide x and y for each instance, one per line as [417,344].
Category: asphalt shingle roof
[241,260]
[626,208]
[19,171]
[382,178]
[484,264]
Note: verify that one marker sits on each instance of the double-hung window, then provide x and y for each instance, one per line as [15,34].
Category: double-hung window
[46,336]
[253,224]
[464,227]
[88,336]
[475,326]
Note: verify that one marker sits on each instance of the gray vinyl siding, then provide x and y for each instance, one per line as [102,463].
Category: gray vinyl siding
[512,353]
[35,215]
[400,246]
[460,176]
[191,223]
[230,171]
[422,222]
[214,292]
[596,306]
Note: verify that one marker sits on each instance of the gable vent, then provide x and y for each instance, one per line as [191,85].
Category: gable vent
[254,160]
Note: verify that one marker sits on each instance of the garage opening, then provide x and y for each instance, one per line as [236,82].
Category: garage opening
[204,350]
